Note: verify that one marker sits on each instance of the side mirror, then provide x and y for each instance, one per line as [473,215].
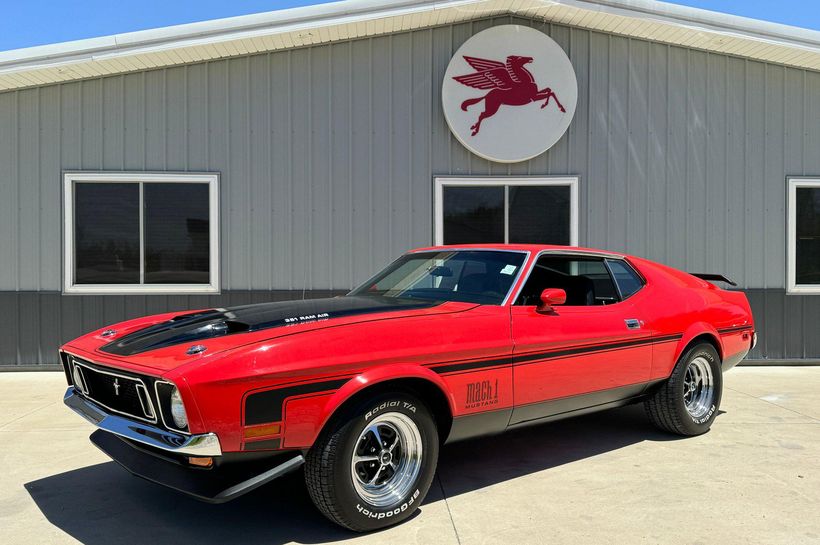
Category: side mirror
[551,297]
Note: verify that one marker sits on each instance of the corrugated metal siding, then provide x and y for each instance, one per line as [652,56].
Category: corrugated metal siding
[331,148]
[327,156]
[34,324]
[787,325]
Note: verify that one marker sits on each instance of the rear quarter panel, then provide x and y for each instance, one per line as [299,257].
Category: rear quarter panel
[685,307]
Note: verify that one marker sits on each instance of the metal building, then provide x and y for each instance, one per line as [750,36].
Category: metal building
[291,154]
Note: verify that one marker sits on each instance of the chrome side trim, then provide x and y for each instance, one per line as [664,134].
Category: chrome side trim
[79,363]
[206,444]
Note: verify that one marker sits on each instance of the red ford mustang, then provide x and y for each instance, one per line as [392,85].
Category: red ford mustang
[444,344]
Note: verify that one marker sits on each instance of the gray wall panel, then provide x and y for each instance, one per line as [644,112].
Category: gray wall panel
[327,156]
[332,148]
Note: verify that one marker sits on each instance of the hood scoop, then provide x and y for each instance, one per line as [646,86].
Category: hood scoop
[199,326]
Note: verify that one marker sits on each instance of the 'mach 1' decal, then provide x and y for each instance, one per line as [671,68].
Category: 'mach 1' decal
[481,394]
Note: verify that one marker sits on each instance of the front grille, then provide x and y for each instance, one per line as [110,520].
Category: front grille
[117,392]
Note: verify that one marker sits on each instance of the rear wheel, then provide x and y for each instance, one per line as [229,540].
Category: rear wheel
[374,466]
[688,402]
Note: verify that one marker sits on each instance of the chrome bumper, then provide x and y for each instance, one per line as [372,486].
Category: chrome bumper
[206,444]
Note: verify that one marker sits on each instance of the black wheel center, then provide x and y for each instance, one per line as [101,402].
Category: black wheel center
[385,458]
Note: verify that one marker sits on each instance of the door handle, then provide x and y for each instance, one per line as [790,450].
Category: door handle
[633,323]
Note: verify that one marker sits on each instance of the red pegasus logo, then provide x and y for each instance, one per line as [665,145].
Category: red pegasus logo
[511,84]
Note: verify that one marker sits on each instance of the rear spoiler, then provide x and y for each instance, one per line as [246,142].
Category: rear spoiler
[713,278]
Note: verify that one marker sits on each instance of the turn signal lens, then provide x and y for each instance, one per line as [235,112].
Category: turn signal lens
[201,461]
[261,431]
[178,410]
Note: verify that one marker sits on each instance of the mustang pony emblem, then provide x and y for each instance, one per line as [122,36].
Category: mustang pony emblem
[510,84]
[116,387]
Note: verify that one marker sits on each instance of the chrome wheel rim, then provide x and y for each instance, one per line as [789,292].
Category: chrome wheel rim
[698,387]
[386,459]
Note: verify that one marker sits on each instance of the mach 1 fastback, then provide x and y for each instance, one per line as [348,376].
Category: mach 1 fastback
[446,343]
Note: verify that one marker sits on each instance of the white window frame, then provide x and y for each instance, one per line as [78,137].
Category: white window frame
[69,181]
[793,183]
[506,181]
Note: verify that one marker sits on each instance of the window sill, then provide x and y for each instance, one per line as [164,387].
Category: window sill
[804,289]
[125,289]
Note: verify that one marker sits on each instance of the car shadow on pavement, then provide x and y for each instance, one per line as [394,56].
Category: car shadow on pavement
[478,463]
[102,504]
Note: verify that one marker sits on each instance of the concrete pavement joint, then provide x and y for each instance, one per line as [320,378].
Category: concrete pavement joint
[772,403]
[447,504]
[10,422]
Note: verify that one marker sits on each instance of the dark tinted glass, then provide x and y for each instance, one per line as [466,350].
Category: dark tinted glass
[177,249]
[539,215]
[807,266]
[585,280]
[471,276]
[628,281]
[106,233]
[473,215]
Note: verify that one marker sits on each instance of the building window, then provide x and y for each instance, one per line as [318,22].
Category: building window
[803,235]
[510,210]
[141,233]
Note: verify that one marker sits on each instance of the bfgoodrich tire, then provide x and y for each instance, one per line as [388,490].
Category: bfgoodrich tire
[374,466]
[688,402]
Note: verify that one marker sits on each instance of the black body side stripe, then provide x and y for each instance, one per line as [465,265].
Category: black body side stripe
[735,329]
[551,354]
[266,444]
[588,349]
[266,406]
[474,364]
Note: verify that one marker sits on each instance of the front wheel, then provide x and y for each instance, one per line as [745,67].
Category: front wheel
[373,467]
[688,402]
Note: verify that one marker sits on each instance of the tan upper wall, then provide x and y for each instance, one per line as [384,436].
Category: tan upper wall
[351,19]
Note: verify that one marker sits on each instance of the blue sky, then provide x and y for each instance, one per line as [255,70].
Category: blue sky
[27,23]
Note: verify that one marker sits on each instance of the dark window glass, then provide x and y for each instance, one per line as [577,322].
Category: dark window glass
[106,233]
[539,215]
[627,279]
[177,248]
[471,276]
[586,281]
[807,256]
[473,215]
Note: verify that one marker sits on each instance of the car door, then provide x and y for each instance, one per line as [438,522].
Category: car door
[593,350]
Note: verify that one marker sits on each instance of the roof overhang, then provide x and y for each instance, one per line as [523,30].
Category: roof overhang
[350,19]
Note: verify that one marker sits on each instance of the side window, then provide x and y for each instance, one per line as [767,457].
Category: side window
[585,279]
[627,279]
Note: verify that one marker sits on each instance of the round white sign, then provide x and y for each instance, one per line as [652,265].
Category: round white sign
[509,93]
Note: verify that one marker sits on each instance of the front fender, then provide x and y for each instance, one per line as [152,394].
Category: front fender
[374,376]
[305,433]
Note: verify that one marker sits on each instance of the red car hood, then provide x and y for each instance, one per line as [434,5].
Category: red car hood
[161,343]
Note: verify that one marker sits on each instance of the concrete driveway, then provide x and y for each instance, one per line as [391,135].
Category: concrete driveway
[605,478]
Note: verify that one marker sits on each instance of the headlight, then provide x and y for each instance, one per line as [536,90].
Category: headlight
[178,410]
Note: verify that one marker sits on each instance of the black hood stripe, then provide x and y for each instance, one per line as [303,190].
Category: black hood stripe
[200,326]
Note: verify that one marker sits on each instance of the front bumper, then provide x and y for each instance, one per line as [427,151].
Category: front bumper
[215,485]
[159,456]
[206,444]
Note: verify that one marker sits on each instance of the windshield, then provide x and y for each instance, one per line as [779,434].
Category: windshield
[469,276]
